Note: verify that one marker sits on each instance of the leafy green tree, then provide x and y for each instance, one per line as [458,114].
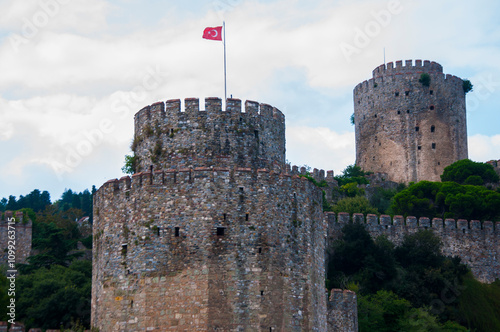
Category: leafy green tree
[466,171]
[358,204]
[479,305]
[427,274]
[131,163]
[447,200]
[49,297]
[358,258]
[352,173]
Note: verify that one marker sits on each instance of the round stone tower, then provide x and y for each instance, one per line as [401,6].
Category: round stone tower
[409,128]
[215,233]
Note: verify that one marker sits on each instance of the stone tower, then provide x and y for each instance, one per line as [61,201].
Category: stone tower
[408,129]
[215,233]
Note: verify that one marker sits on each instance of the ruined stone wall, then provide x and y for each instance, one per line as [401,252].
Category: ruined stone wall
[342,311]
[476,243]
[209,249]
[496,165]
[408,130]
[23,237]
[170,137]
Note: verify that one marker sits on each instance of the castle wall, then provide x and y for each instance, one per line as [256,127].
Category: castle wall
[209,248]
[405,129]
[476,243]
[342,311]
[23,235]
[170,137]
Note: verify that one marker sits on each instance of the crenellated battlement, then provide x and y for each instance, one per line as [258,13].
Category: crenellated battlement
[171,178]
[476,243]
[213,105]
[387,221]
[18,215]
[169,135]
[389,73]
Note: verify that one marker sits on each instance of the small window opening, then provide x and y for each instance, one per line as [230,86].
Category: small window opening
[375,115]
[158,231]
[256,133]
[408,111]
[261,293]
[439,163]
[177,231]
[171,131]
[463,230]
[241,119]
[407,93]
[432,107]
[131,303]
[124,249]
[260,250]
[246,216]
[399,112]
[224,216]
[419,147]
[431,92]
[220,231]
[417,128]
[433,145]
[373,158]
[433,129]
[396,94]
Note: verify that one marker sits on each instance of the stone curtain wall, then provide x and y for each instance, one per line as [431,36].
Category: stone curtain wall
[23,237]
[170,137]
[405,129]
[476,243]
[342,311]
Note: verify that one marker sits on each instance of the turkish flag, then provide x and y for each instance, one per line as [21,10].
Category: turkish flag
[213,33]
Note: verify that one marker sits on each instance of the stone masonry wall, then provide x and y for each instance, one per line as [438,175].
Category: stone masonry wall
[405,129]
[23,236]
[342,311]
[209,248]
[170,137]
[476,243]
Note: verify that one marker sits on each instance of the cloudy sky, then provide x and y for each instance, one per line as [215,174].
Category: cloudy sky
[74,72]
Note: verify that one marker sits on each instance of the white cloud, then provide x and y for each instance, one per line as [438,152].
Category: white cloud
[320,148]
[483,148]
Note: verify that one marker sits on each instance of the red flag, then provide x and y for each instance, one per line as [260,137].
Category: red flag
[213,33]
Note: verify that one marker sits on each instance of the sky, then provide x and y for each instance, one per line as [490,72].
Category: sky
[74,72]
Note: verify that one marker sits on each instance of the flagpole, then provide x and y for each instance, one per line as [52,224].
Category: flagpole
[225,85]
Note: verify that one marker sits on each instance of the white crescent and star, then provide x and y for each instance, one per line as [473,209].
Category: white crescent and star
[215,33]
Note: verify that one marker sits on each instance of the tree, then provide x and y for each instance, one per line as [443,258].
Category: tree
[467,85]
[49,297]
[447,200]
[358,204]
[466,171]
[131,163]
[352,173]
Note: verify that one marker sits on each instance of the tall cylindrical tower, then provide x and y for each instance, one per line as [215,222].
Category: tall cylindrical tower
[410,121]
[214,232]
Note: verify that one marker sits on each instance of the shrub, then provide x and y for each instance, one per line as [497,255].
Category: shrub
[425,79]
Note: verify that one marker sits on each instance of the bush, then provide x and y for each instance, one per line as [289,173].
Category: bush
[467,86]
[425,79]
